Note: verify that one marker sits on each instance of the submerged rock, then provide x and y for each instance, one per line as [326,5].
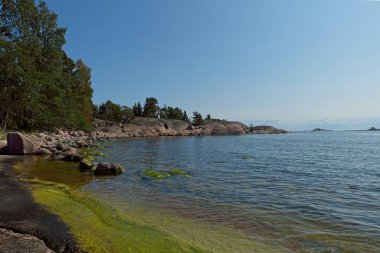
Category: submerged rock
[73,158]
[178,172]
[12,242]
[19,144]
[156,174]
[86,165]
[108,169]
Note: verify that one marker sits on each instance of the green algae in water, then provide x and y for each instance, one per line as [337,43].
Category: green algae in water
[60,172]
[91,152]
[156,174]
[100,229]
[178,172]
[162,174]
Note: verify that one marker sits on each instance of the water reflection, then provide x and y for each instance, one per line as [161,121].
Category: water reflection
[46,169]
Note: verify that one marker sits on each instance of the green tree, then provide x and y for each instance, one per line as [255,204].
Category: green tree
[208,117]
[128,113]
[137,109]
[83,91]
[40,87]
[185,117]
[111,111]
[164,112]
[151,108]
[198,119]
[95,111]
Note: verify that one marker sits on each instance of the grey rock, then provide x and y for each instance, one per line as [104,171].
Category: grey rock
[43,151]
[108,169]
[19,144]
[12,242]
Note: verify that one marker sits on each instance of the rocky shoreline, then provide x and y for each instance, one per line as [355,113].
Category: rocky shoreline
[81,147]
[153,127]
[65,144]
[28,227]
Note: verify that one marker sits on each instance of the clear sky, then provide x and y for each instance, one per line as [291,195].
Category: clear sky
[293,63]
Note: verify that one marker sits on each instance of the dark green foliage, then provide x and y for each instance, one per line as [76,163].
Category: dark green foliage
[137,109]
[198,119]
[113,112]
[151,108]
[40,86]
[128,113]
[95,111]
[185,117]
[168,112]
[117,113]
[110,111]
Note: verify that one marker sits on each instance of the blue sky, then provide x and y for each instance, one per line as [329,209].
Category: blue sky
[293,63]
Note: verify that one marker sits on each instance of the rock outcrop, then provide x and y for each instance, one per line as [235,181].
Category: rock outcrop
[12,242]
[266,130]
[19,144]
[151,127]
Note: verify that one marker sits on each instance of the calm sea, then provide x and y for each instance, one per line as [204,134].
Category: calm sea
[304,191]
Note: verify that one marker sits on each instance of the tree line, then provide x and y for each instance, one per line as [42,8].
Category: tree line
[41,87]
[117,113]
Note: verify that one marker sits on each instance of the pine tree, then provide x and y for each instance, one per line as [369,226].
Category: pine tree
[137,109]
[151,108]
[198,119]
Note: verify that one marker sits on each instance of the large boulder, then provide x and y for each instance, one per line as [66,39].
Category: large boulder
[108,169]
[19,144]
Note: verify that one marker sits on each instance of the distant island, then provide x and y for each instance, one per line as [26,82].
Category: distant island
[319,130]
[374,129]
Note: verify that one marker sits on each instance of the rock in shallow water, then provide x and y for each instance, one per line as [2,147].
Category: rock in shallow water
[12,242]
[86,165]
[108,169]
[19,144]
